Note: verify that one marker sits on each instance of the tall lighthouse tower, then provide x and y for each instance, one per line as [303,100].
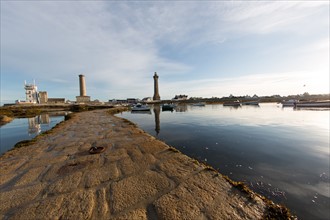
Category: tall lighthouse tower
[156,92]
[83,98]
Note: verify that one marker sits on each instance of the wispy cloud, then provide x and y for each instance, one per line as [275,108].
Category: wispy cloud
[268,17]
[79,37]
[120,44]
[261,84]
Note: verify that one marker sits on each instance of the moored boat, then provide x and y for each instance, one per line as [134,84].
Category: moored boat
[232,103]
[289,103]
[316,104]
[168,107]
[140,107]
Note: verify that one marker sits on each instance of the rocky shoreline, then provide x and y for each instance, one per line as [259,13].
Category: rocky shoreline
[4,119]
[136,177]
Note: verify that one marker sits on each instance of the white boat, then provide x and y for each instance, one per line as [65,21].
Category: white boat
[140,107]
[199,104]
[317,104]
[289,103]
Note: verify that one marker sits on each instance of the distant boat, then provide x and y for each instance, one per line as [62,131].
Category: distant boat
[251,103]
[140,107]
[289,103]
[232,103]
[168,107]
[316,104]
[199,104]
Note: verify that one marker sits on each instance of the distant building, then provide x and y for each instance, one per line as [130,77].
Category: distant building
[31,92]
[34,97]
[125,101]
[276,96]
[132,101]
[43,97]
[180,97]
[56,101]
[118,101]
[147,99]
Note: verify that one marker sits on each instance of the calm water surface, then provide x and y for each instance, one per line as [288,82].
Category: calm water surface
[280,153]
[25,129]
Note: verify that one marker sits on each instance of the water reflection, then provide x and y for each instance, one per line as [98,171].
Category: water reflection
[233,107]
[181,108]
[35,123]
[157,118]
[141,112]
[27,128]
[282,153]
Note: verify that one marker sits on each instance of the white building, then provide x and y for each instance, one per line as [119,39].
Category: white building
[147,99]
[31,91]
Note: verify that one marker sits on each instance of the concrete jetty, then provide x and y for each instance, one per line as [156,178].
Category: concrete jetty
[136,177]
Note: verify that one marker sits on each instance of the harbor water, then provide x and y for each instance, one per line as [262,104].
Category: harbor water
[26,129]
[281,153]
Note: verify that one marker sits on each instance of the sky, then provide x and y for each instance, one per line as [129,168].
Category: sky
[198,48]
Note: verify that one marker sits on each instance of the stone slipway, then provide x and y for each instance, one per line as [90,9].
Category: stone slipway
[136,177]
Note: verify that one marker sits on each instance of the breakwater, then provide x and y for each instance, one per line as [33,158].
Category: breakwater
[137,176]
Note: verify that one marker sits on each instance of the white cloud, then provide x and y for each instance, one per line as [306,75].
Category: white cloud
[121,44]
[50,39]
[268,17]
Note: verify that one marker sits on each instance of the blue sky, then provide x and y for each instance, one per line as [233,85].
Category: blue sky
[198,48]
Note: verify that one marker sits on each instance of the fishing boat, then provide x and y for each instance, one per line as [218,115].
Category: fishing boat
[168,107]
[140,107]
[316,104]
[289,103]
[232,103]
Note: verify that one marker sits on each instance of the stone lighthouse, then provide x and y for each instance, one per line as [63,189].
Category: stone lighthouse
[156,92]
[82,85]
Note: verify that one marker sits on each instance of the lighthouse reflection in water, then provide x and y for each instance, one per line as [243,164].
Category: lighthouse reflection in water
[35,123]
[27,128]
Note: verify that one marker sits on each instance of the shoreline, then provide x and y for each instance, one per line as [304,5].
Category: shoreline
[136,176]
